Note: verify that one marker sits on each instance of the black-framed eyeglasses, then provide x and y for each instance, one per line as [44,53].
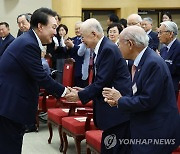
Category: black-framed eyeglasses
[160,32]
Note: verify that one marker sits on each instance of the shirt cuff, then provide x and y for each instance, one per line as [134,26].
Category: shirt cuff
[64,93]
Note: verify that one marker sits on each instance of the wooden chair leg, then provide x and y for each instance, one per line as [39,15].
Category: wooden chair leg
[50,132]
[65,146]
[61,138]
[78,145]
[88,151]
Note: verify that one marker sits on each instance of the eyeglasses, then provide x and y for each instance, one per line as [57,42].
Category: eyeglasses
[160,32]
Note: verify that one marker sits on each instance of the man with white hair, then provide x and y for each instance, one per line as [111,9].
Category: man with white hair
[154,115]
[147,24]
[110,70]
[167,34]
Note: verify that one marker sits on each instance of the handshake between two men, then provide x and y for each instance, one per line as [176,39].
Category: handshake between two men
[111,95]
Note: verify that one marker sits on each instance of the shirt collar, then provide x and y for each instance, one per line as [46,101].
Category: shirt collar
[39,41]
[98,45]
[149,31]
[138,58]
[170,44]
[3,38]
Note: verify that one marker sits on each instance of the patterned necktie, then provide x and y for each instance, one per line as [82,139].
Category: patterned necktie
[133,70]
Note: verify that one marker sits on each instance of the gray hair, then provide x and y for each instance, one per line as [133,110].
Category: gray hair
[170,26]
[136,34]
[148,19]
[92,25]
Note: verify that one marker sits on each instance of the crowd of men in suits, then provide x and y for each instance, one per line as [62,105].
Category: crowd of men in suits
[128,105]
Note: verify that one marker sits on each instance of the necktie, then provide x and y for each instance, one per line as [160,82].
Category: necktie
[133,70]
[164,55]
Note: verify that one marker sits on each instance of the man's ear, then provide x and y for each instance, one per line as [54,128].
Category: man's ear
[40,26]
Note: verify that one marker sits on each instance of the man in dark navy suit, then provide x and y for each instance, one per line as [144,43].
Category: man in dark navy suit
[5,37]
[154,121]
[153,37]
[110,70]
[171,52]
[21,74]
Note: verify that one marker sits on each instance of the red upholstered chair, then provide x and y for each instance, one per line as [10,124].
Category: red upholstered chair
[48,57]
[55,117]
[76,128]
[93,141]
[177,151]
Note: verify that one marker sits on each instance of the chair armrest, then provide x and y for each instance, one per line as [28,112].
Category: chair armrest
[88,121]
[84,111]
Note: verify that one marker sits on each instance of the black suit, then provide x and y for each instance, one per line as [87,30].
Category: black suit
[5,43]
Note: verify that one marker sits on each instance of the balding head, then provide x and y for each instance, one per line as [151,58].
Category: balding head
[92,32]
[133,40]
[92,25]
[134,19]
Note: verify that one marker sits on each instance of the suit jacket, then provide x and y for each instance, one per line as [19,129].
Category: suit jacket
[5,43]
[172,60]
[21,74]
[153,40]
[76,57]
[111,71]
[153,107]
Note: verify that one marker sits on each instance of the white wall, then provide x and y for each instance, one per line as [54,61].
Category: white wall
[10,9]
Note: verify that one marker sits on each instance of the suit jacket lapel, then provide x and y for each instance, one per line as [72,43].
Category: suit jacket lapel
[171,50]
[138,69]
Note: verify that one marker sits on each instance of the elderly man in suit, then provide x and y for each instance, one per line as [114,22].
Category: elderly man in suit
[154,116]
[171,52]
[5,37]
[21,74]
[146,24]
[110,70]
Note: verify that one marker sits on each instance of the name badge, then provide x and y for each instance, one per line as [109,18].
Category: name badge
[134,88]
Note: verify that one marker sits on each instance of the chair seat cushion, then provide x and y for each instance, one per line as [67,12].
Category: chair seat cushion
[57,114]
[93,138]
[76,124]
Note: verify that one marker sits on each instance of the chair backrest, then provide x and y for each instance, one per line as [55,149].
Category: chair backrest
[68,72]
[48,58]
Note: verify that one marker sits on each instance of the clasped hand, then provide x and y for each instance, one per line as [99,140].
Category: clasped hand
[72,94]
[111,96]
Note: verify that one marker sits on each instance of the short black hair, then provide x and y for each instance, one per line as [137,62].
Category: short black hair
[41,16]
[58,16]
[113,17]
[166,13]
[123,22]
[4,23]
[119,27]
[27,16]
[64,26]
